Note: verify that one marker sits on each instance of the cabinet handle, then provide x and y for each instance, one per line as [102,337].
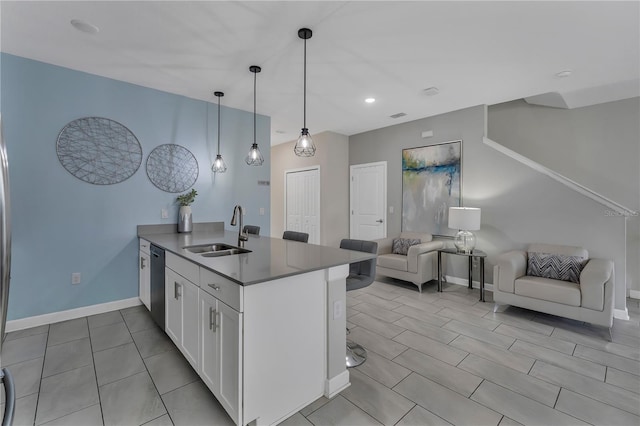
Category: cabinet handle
[176,293]
[142,263]
[215,287]
[212,319]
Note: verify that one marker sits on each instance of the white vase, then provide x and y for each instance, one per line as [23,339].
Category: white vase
[185,223]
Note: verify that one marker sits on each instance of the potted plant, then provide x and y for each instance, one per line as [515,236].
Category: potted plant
[185,223]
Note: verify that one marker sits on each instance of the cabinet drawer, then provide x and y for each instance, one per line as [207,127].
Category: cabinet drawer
[184,267]
[221,288]
[144,246]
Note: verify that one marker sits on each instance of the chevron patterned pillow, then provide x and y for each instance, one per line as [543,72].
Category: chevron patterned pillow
[401,245]
[555,266]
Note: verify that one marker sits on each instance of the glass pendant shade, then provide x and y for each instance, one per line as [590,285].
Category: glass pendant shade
[304,146]
[219,166]
[254,157]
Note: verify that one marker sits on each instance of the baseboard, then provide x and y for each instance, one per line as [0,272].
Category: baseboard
[23,323]
[634,294]
[465,282]
[336,384]
[622,314]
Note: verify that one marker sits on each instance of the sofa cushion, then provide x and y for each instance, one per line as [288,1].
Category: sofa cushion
[401,245]
[562,292]
[555,266]
[393,261]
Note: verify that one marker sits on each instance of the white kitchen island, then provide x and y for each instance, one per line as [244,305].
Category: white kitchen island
[265,330]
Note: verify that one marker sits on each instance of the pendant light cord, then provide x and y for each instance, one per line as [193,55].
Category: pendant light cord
[254,107]
[218,125]
[304,109]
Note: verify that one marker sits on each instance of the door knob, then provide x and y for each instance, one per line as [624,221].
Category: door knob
[379,220]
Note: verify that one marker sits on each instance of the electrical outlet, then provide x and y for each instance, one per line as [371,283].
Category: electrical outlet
[338,309]
[164,213]
[261,211]
[75,278]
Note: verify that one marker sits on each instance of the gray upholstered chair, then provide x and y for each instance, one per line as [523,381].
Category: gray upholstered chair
[251,229]
[361,274]
[418,265]
[296,236]
[519,282]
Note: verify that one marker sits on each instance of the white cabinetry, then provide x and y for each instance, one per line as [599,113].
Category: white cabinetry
[144,274]
[181,298]
[220,352]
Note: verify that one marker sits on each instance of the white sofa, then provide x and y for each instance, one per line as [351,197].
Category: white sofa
[418,266]
[590,300]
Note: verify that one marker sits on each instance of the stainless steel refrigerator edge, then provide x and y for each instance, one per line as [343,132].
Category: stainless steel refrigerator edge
[5,274]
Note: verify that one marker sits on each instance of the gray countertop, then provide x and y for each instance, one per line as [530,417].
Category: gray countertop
[270,258]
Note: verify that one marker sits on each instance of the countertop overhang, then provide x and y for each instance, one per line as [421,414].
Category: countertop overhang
[270,258]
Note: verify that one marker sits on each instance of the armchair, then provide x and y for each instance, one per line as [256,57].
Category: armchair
[418,266]
[590,299]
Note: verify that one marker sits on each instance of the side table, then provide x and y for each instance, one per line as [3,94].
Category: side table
[475,253]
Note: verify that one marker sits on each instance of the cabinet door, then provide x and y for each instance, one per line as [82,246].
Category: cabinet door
[173,304]
[230,344]
[144,279]
[209,343]
[190,322]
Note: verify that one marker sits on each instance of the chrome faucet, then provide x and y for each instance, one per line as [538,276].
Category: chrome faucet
[241,237]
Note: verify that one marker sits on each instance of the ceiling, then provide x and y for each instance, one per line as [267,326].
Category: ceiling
[473,52]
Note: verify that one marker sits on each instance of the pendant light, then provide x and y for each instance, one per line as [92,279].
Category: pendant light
[305,147]
[254,157]
[219,165]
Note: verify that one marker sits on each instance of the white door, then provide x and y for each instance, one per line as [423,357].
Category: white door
[302,202]
[173,304]
[145,280]
[209,343]
[368,199]
[190,322]
[230,354]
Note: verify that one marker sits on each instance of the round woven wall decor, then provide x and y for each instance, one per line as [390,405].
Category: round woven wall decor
[98,150]
[172,168]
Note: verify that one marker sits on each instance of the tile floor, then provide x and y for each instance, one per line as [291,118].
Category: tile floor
[434,359]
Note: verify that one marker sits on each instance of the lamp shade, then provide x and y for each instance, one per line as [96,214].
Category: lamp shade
[465,218]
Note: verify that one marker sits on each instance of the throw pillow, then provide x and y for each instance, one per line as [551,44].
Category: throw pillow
[555,266]
[401,245]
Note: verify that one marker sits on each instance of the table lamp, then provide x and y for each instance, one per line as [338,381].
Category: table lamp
[465,220]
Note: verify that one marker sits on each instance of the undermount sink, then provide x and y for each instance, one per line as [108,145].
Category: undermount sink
[215,249]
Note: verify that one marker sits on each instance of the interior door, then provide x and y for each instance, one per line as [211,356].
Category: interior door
[302,202]
[368,199]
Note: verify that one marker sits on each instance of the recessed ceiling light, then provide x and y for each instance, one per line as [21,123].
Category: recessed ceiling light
[431,91]
[85,27]
[563,74]
[370,100]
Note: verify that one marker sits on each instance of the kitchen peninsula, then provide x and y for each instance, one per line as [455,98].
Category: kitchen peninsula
[265,330]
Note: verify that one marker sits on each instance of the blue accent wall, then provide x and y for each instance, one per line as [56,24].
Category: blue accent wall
[61,224]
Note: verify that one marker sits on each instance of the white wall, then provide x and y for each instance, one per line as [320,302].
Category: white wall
[332,155]
[519,206]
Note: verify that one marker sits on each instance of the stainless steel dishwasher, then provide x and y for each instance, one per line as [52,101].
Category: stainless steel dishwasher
[157,285]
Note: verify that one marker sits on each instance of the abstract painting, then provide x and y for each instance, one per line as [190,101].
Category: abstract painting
[431,183]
